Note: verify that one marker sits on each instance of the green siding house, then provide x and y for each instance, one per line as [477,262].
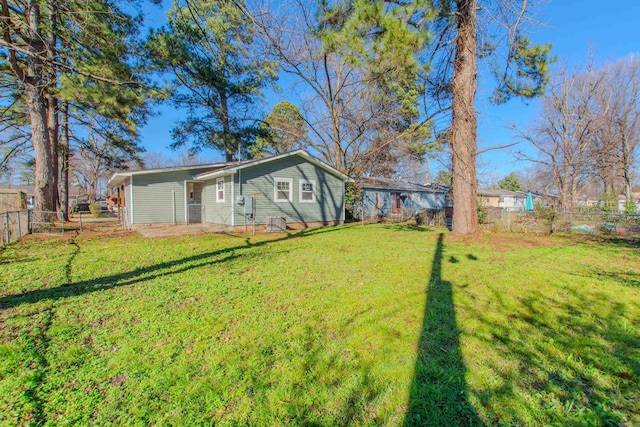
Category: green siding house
[295,186]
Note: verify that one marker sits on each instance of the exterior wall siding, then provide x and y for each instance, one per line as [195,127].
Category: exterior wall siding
[217,212]
[152,196]
[259,181]
[378,202]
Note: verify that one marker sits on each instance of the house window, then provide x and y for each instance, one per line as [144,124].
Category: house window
[307,191]
[282,189]
[220,190]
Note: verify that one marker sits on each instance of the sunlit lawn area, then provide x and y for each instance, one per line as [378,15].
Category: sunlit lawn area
[352,325]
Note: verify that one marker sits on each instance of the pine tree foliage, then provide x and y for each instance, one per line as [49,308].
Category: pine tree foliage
[78,53]
[207,49]
[510,182]
[284,129]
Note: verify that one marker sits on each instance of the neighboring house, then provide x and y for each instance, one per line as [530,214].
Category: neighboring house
[512,200]
[588,202]
[622,202]
[28,190]
[505,199]
[75,194]
[383,197]
[296,186]
[12,200]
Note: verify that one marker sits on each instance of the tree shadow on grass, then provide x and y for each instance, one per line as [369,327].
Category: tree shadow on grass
[409,227]
[141,275]
[604,239]
[438,394]
[579,360]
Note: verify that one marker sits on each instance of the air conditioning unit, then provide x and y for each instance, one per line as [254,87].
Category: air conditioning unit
[276,224]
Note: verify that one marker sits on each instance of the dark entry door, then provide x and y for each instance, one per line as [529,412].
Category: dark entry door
[396,203]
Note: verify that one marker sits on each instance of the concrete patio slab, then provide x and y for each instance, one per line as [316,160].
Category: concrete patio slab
[151,231]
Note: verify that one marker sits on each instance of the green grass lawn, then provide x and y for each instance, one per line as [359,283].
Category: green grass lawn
[351,325]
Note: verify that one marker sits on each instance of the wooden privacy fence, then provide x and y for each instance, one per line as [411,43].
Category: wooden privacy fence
[15,224]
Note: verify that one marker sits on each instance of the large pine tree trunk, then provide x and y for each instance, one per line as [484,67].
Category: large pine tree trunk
[52,101]
[35,96]
[44,175]
[463,122]
[64,160]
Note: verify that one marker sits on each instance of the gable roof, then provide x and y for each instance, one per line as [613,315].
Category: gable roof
[119,177]
[377,183]
[499,192]
[233,168]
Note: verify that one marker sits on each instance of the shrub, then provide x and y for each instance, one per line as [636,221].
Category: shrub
[483,214]
[547,214]
[95,209]
[353,201]
[630,207]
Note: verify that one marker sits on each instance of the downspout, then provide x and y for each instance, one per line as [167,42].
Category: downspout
[233,205]
[131,186]
[186,207]
[173,199]
[344,202]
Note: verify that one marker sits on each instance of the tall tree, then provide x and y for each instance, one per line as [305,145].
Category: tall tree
[207,47]
[588,133]
[522,71]
[95,159]
[618,107]
[392,32]
[284,130]
[563,133]
[510,182]
[358,85]
[67,49]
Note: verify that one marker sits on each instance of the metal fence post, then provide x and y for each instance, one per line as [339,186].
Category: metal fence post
[63,225]
[6,215]
[19,228]
[80,216]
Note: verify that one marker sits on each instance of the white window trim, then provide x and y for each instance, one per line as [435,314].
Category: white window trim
[313,192]
[224,190]
[275,189]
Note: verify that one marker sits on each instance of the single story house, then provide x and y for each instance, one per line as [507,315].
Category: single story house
[75,194]
[12,200]
[622,202]
[295,186]
[512,200]
[383,197]
[505,199]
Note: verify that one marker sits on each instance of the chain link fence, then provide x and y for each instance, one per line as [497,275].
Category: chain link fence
[553,222]
[46,222]
[15,224]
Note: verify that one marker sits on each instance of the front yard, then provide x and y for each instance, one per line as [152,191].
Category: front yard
[351,325]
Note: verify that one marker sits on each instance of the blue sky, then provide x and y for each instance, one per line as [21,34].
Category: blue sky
[576,29]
